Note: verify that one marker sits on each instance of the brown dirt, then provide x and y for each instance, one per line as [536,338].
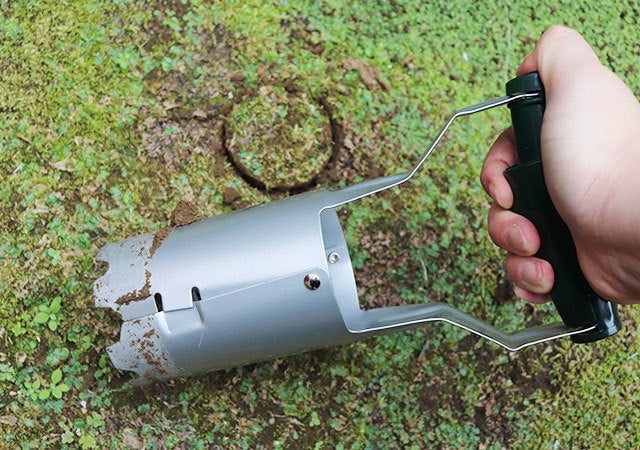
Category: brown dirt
[160,236]
[136,296]
[186,212]
[503,292]
[390,265]
[151,358]
[190,119]
[371,77]
[181,133]
[376,280]
[346,163]
[149,349]
[231,195]
[149,334]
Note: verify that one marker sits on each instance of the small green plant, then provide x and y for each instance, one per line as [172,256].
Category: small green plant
[18,329]
[49,314]
[44,390]
[87,441]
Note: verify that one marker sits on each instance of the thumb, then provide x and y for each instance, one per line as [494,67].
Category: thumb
[559,51]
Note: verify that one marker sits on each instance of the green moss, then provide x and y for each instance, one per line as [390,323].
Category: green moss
[111,112]
[279,139]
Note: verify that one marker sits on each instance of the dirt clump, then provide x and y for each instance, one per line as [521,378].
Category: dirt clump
[230,196]
[186,212]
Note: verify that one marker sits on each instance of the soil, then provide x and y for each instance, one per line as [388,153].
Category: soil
[152,354]
[160,236]
[139,295]
[503,292]
[376,280]
[192,113]
[149,351]
[179,135]
[231,195]
[186,212]
[370,77]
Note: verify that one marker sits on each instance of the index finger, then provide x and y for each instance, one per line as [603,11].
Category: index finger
[501,156]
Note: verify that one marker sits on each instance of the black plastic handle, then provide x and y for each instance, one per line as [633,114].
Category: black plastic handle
[575,300]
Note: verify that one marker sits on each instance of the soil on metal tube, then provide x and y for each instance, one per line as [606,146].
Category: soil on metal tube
[139,295]
[160,236]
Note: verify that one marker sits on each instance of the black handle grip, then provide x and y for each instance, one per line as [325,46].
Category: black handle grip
[576,302]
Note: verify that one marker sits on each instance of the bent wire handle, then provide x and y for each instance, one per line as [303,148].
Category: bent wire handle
[366,188]
[407,317]
[412,316]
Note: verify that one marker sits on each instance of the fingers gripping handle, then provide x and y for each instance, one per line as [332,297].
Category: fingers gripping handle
[577,303]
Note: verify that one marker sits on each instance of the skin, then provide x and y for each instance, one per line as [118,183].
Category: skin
[591,157]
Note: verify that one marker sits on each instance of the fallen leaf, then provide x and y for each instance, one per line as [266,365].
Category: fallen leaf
[40,208]
[199,114]
[130,439]
[64,165]
[370,76]
[21,358]
[8,420]
[168,105]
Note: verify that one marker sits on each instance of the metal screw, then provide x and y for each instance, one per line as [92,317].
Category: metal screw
[334,257]
[312,281]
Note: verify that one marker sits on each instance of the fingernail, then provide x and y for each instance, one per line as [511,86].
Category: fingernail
[519,292]
[515,239]
[531,274]
[530,296]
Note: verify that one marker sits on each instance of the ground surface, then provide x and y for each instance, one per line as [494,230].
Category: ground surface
[111,113]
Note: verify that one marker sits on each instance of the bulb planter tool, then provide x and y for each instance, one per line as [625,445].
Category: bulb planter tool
[277,279]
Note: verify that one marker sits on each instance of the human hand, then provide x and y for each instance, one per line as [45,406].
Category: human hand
[590,152]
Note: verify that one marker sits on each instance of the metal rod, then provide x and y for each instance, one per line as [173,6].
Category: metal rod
[412,316]
[367,188]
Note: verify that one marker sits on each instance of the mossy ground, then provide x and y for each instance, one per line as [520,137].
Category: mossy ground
[112,112]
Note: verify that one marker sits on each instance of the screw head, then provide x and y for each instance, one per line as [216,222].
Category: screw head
[334,257]
[312,281]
